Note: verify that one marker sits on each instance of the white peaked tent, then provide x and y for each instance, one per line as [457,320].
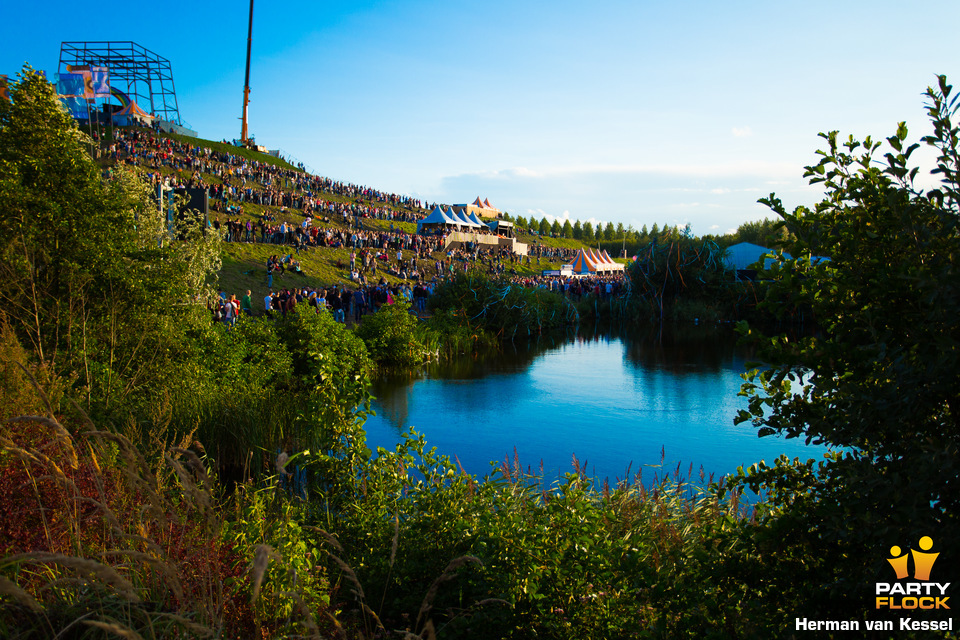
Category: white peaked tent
[464,220]
[438,218]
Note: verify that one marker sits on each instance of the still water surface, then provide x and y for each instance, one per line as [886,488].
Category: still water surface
[611,401]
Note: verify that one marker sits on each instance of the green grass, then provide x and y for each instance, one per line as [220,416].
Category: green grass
[244,265]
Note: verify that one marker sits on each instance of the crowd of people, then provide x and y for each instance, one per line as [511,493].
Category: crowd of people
[233,180]
[341,301]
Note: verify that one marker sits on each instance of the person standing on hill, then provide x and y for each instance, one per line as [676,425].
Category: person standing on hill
[345,297]
[227,312]
[247,304]
[359,302]
[333,303]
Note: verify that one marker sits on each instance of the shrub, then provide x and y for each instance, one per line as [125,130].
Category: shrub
[393,337]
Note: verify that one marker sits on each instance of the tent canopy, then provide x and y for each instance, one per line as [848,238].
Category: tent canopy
[437,217]
[588,261]
[132,109]
[741,256]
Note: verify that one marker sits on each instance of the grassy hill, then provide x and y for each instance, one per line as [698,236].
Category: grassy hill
[244,263]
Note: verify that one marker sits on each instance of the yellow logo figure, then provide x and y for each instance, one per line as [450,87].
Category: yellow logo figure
[922,562]
[899,564]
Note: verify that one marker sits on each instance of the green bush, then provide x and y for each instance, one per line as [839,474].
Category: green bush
[393,336]
[501,308]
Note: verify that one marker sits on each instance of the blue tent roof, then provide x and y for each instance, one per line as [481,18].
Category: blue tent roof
[741,256]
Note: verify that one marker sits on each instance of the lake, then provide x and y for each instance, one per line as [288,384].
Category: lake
[613,401]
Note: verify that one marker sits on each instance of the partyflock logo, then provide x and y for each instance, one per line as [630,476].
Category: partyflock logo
[921,593]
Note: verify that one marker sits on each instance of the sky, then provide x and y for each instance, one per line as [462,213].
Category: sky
[637,112]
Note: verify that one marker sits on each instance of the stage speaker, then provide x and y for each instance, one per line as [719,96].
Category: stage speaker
[196,200]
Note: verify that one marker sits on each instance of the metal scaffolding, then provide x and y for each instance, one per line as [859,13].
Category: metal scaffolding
[146,76]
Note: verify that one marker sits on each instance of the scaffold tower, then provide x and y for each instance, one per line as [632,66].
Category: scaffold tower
[145,76]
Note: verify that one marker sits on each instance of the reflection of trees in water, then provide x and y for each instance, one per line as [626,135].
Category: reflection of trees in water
[392,396]
[679,351]
[393,392]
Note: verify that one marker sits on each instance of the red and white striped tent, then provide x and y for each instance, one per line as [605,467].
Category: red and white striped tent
[132,114]
[589,261]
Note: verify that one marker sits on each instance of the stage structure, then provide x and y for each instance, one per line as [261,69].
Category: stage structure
[134,71]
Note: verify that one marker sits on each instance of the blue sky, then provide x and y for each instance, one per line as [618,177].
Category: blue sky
[635,112]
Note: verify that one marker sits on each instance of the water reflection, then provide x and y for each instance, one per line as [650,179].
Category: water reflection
[612,398]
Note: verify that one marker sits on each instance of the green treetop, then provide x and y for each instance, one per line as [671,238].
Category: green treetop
[880,378]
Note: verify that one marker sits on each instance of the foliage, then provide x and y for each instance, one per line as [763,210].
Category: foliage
[517,559]
[331,358]
[666,272]
[880,378]
[291,592]
[451,334]
[108,542]
[89,276]
[392,336]
[766,233]
[237,394]
[499,307]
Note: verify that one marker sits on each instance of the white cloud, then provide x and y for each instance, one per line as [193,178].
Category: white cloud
[742,132]
[720,191]
[770,171]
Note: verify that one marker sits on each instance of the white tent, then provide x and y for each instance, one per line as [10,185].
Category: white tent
[438,218]
[464,220]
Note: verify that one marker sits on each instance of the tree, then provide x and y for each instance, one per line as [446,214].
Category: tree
[764,232]
[89,276]
[587,232]
[608,231]
[577,230]
[544,227]
[567,230]
[880,377]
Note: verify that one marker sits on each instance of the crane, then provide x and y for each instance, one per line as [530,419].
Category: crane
[246,83]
